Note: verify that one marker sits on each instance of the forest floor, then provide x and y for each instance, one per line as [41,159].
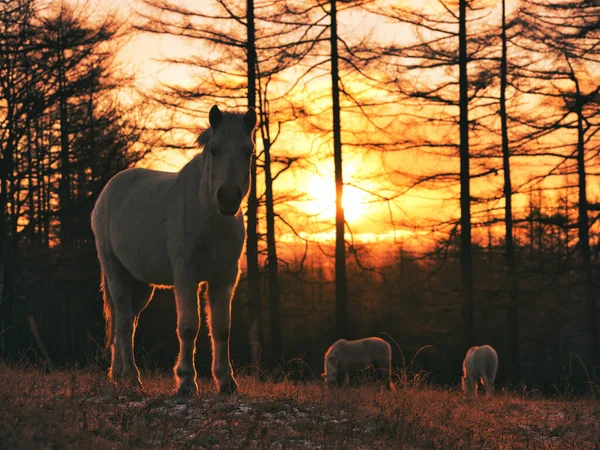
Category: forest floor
[81,409]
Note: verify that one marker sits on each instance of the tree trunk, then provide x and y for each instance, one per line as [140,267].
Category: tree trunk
[341,293]
[7,229]
[65,169]
[466,257]
[584,231]
[255,332]
[272,262]
[513,299]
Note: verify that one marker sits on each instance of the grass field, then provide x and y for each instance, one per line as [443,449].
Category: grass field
[81,409]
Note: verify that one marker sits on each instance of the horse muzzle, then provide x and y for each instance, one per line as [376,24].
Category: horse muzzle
[228,212]
[229,200]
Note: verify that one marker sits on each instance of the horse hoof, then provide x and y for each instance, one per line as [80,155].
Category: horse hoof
[187,390]
[135,392]
[229,387]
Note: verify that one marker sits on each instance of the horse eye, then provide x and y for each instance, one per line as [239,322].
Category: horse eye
[212,151]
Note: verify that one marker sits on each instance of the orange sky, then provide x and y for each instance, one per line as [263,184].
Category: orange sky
[367,215]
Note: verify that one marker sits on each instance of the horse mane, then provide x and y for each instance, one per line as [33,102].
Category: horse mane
[231,125]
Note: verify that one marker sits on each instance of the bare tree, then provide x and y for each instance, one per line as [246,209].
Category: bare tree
[466,255]
[256,329]
[566,32]
[513,308]
[341,288]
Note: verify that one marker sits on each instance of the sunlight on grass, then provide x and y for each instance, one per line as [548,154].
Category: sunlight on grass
[79,409]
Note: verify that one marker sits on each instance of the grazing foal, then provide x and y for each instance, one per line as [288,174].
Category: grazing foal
[344,356]
[481,363]
[179,229]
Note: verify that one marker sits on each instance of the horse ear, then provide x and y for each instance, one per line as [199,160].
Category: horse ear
[250,119]
[215,116]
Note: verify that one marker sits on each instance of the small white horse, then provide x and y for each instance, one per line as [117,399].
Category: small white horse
[344,356]
[177,229]
[481,363]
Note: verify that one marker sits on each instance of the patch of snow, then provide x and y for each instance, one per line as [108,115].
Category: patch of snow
[243,409]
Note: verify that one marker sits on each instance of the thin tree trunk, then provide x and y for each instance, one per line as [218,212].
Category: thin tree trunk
[65,169]
[46,148]
[272,262]
[341,293]
[584,230]
[513,300]
[5,266]
[531,227]
[31,219]
[567,241]
[255,332]
[466,257]
[40,171]
[7,237]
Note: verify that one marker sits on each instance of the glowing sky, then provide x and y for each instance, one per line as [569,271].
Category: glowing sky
[370,175]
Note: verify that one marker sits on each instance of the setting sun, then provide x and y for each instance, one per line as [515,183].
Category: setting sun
[321,199]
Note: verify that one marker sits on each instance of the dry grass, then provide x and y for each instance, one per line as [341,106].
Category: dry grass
[81,409]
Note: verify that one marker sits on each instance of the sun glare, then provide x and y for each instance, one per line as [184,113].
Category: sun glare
[321,193]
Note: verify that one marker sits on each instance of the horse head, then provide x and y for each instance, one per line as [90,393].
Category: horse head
[229,143]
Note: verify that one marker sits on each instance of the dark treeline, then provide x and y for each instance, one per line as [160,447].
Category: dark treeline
[475,89]
[64,133]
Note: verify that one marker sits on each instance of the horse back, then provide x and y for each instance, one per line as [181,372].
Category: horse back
[365,351]
[135,186]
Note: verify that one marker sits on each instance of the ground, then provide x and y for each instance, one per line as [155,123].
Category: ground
[81,409]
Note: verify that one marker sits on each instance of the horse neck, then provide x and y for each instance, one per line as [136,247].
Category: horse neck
[194,182]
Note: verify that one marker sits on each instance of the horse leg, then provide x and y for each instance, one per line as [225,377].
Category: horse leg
[346,377]
[469,386]
[219,300]
[188,325]
[141,294]
[488,385]
[121,290]
[114,372]
[478,384]
[378,371]
[383,374]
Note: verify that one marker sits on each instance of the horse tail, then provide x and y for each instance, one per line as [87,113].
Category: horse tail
[108,312]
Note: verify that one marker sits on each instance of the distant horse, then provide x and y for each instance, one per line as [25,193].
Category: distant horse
[344,356]
[481,363]
[177,229]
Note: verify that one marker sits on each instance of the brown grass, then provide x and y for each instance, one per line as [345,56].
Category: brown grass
[81,409]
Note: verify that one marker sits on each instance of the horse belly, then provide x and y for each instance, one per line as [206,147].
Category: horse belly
[217,260]
[152,267]
[357,360]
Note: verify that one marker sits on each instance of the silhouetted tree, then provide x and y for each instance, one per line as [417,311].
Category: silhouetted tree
[566,32]
[341,288]
[254,298]
[47,81]
[509,247]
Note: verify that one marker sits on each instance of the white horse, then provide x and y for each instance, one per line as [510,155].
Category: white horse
[344,356]
[177,229]
[481,363]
